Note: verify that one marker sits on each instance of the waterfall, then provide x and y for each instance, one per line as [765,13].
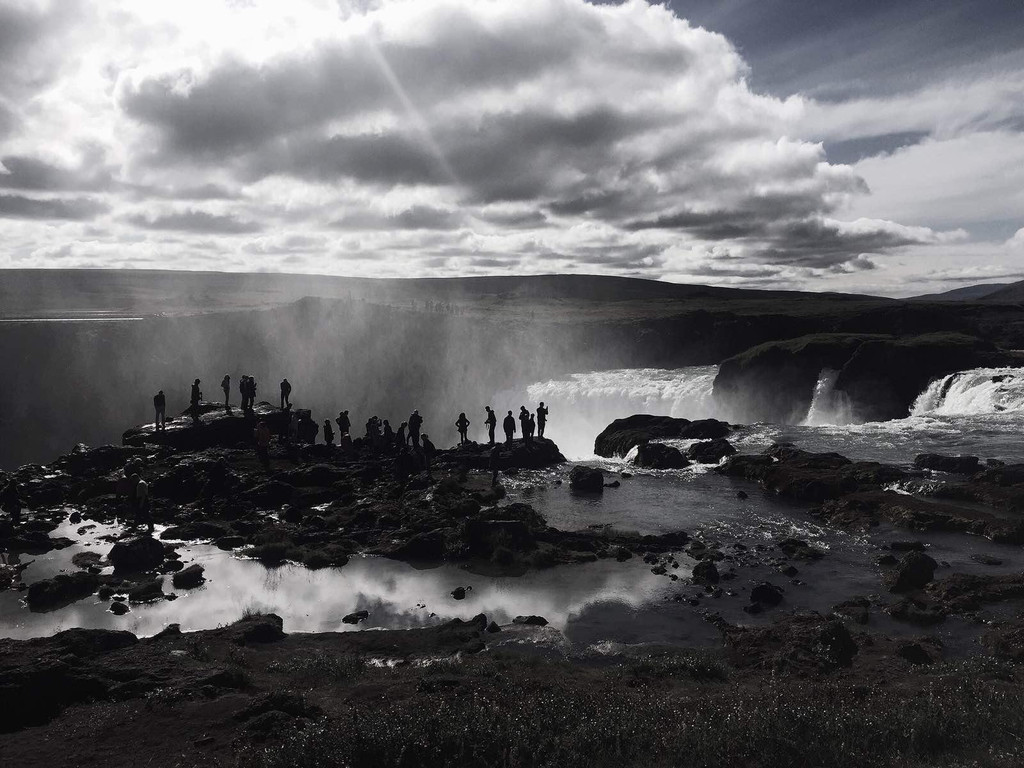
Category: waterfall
[585,403]
[975,392]
[828,406]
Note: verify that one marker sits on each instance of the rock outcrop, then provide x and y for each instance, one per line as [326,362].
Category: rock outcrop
[622,435]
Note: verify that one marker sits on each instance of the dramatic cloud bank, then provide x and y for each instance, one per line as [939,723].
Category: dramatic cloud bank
[438,137]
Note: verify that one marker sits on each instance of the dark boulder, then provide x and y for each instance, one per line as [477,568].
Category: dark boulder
[961,465]
[426,546]
[189,578]
[146,591]
[914,571]
[766,593]
[705,429]
[139,554]
[259,628]
[355,618]
[705,572]
[586,480]
[622,435]
[531,621]
[659,456]
[710,451]
[61,590]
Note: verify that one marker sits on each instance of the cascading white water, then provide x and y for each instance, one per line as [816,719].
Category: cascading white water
[585,403]
[976,392]
[829,407]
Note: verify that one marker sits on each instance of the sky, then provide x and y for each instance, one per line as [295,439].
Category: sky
[823,145]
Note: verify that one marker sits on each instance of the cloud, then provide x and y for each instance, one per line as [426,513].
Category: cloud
[72,209]
[435,136]
[199,222]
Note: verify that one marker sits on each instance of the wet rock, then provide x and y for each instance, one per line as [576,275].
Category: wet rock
[262,628]
[86,559]
[962,465]
[914,571]
[61,590]
[612,484]
[856,609]
[137,554]
[659,456]
[710,451]
[766,593]
[917,612]
[622,435]
[1006,640]
[705,572]
[228,543]
[492,627]
[189,578]
[146,592]
[984,559]
[961,592]
[356,617]
[532,621]
[798,549]
[118,609]
[426,546]
[586,480]
[742,495]
[886,560]
[907,546]
[459,593]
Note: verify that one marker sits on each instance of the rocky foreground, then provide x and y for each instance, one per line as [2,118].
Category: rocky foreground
[836,688]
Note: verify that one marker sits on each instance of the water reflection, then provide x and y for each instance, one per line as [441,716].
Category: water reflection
[397,596]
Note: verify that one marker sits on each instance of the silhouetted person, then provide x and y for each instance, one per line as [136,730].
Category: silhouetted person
[533,427]
[344,425]
[10,501]
[524,424]
[542,419]
[195,398]
[509,425]
[225,384]
[286,392]
[140,501]
[328,432]
[262,435]
[252,392]
[428,452]
[308,429]
[462,424]
[243,391]
[160,406]
[491,421]
[495,464]
[415,422]
[400,439]
[388,434]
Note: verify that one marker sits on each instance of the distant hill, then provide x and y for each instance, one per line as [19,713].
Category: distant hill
[967,293]
[93,294]
[1009,294]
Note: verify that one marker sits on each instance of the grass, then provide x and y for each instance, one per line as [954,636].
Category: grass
[586,723]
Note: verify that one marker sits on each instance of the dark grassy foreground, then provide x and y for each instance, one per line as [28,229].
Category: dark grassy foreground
[681,710]
[454,695]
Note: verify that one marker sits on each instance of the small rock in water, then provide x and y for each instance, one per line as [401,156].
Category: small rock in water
[986,559]
[118,609]
[705,572]
[742,495]
[914,571]
[612,484]
[189,578]
[766,593]
[493,627]
[355,618]
[532,621]
[459,593]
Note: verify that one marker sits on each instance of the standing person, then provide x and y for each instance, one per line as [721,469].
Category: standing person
[524,424]
[252,392]
[160,406]
[428,452]
[542,419]
[533,427]
[463,426]
[415,422]
[286,392]
[388,434]
[509,425]
[344,424]
[10,501]
[140,501]
[400,440]
[195,398]
[225,384]
[243,391]
[491,421]
[262,435]
[328,432]
[495,464]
